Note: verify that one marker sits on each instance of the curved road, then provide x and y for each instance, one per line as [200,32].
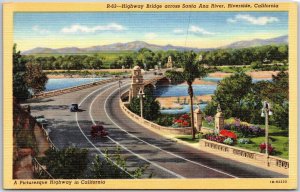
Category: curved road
[164,157]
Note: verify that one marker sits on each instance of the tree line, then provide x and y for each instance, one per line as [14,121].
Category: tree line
[70,62]
[246,56]
[147,58]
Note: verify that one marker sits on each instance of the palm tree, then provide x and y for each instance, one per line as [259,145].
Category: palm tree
[190,70]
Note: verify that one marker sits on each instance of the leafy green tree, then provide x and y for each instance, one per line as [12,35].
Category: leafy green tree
[35,78]
[68,163]
[256,65]
[280,116]
[241,98]
[20,88]
[151,107]
[191,69]
[145,56]
[125,61]
[211,108]
[283,53]
[231,94]
[277,93]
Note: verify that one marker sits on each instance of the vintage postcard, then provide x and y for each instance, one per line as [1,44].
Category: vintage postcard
[190,95]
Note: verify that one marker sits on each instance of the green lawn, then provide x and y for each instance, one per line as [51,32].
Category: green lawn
[278,139]
[188,138]
[208,125]
[227,69]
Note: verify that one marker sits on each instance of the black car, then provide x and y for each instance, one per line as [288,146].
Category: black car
[74,107]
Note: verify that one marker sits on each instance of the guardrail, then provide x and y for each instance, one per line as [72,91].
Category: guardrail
[151,125]
[274,162]
[71,89]
[52,146]
[39,171]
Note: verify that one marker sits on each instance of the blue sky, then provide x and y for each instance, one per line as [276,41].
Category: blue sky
[193,29]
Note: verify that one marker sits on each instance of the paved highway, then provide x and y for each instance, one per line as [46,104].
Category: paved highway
[140,146]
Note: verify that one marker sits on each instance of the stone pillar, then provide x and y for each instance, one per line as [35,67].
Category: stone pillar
[198,118]
[137,82]
[170,62]
[219,119]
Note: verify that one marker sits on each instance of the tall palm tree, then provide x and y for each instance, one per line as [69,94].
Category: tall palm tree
[190,70]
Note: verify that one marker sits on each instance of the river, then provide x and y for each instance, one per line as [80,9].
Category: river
[54,84]
[160,91]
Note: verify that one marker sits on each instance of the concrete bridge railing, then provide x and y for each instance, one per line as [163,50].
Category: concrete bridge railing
[279,164]
[153,80]
[150,124]
[70,89]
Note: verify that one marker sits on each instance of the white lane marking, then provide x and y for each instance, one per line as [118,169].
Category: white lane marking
[76,117]
[200,164]
[109,84]
[98,148]
[139,156]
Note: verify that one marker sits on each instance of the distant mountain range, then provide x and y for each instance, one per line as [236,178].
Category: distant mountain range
[136,45]
[258,42]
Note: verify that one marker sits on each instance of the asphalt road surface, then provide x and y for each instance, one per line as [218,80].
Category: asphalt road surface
[165,158]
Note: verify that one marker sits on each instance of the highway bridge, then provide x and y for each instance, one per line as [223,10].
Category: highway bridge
[166,158]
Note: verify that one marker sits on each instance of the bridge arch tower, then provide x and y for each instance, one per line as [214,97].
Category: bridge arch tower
[136,83]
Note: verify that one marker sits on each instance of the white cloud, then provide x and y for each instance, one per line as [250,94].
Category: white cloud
[40,30]
[150,35]
[178,31]
[193,30]
[85,29]
[253,20]
[199,31]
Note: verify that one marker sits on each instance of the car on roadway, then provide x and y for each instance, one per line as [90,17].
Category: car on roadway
[41,119]
[98,130]
[74,107]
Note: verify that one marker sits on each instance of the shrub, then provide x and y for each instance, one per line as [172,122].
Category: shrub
[216,138]
[228,141]
[262,148]
[245,130]
[104,168]
[228,134]
[165,120]
[183,121]
[68,163]
[209,119]
[243,141]
[256,65]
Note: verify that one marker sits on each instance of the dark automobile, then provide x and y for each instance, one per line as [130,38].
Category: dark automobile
[41,119]
[74,107]
[98,130]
